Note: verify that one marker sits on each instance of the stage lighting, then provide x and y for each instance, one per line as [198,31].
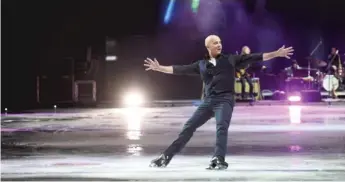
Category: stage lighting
[133,99]
[294,98]
[111,58]
[169,12]
[195,5]
[111,49]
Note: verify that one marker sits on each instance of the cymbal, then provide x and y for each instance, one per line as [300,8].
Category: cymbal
[311,69]
[317,62]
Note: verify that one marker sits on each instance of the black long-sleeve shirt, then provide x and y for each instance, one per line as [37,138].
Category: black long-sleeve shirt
[218,79]
[333,59]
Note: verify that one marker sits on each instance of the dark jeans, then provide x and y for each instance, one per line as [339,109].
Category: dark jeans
[221,108]
[243,83]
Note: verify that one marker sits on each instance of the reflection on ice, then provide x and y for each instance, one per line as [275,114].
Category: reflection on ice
[295,114]
[134,149]
[133,117]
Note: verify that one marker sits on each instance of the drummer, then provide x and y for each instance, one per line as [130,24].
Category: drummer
[291,69]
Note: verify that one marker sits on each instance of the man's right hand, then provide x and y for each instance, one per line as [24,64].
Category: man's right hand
[151,64]
[154,65]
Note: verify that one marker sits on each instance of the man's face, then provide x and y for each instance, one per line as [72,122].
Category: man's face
[294,65]
[246,50]
[333,50]
[214,45]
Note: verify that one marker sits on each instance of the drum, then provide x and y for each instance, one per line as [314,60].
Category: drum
[295,84]
[256,87]
[330,82]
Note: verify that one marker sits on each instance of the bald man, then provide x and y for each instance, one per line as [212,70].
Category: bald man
[217,71]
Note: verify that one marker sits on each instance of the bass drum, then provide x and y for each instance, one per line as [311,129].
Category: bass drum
[330,82]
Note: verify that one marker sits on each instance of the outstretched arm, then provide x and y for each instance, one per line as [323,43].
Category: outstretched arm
[274,54]
[154,66]
[165,69]
[245,60]
[175,69]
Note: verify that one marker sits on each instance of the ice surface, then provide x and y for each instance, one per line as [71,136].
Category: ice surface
[266,143]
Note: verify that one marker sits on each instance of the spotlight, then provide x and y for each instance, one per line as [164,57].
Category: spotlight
[111,58]
[294,98]
[133,99]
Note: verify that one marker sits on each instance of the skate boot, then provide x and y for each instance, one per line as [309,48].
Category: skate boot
[218,163]
[162,161]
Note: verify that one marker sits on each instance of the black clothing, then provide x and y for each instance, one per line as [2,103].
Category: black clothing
[333,60]
[220,107]
[243,80]
[219,83]
[220,78]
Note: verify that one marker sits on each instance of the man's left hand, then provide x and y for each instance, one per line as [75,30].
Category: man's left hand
[285,52]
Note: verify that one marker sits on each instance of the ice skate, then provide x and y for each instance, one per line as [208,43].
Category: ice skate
[217,163]
[161,161]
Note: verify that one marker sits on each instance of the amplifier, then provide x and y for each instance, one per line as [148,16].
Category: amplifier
[311,96]
[85,91]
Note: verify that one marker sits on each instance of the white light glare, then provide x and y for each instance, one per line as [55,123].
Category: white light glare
[110,58]
[133,99]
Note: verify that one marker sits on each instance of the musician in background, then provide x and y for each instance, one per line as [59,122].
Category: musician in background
[333,58]
[244,76]
[335,67]
[291,69]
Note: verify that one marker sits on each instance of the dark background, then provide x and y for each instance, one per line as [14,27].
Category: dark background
[37,34]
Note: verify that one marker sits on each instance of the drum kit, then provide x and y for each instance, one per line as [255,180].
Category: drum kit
[319,76]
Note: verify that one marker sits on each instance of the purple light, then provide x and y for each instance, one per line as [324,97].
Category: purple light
[295,148]
[294,98]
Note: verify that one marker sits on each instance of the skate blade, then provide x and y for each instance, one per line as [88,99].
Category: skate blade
[217,168]
[156,166]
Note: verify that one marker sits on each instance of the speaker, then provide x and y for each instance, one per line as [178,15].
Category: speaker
[85,91]
[311,96]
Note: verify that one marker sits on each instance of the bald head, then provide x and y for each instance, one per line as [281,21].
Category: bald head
[209,39]
[213,45]
[245,50]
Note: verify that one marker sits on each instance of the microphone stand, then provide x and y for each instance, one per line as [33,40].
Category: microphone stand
[309,60]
